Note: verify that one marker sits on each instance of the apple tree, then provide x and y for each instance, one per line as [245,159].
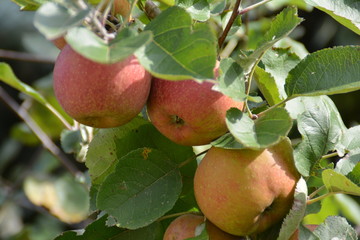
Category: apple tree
[195,119]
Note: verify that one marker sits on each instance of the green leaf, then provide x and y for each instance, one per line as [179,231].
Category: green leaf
[179,49]
[335,227]
[227,141]
[350,139]
[321,128]
[143,187]
[70,141]
[346,12]
[328,71]
[297,212]
[261,133]
[278,62]
[283,24]
[93,47]
[98,230]
[267,85]
[354,175]
[347,164]
[336,182]
[109,145]
[53,20]
[7,75]
[27,5]
[349,207]
[198,9]
[231,80]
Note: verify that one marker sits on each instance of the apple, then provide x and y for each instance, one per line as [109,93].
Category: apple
[244,191]
[188,112]
[100,95]
[184,227]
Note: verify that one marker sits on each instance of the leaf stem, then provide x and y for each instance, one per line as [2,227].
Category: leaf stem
[247,9]
[230,23]
[274,106]
[190,159]
[44,138]
[330,155]
[178,214]
[313,194]
[311,201]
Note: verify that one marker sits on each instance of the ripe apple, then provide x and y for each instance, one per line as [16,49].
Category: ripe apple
[188,112]
[244,192]
[100,95]
[184,227]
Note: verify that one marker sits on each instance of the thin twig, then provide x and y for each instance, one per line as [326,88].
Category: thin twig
[192,158]
[230,23]
[314,193]
[245,10]
[23,56]
[44,138]
[311,201]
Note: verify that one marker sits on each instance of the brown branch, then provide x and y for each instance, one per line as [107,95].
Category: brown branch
[23,56]
[234,15]
[44,138]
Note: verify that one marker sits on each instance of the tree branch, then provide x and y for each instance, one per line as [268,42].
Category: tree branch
[230,23]
[44,138]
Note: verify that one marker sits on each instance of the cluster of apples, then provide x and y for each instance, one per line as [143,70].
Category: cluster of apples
[240,192]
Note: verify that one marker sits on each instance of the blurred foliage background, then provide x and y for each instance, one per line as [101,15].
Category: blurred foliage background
[29,171]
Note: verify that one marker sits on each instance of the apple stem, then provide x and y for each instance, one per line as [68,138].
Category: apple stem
[43,137]
[190,159]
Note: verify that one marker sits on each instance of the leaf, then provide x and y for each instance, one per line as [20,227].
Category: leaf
[198,9]
[70,141]
[179,49]
[27,5]
[98,230]
[231,80]
[65,198]
[349,207]
[336,182]
[93,47]
[347,164]
[144,186]
[278,62]
[109,145]
[267,85]
[335,227]
[321,128]
[227,141]
[203,235]
[53,20]
[328,71]
[261,133]
[350,139]
[346,12]
[297,212]
[7,75]
[283,24]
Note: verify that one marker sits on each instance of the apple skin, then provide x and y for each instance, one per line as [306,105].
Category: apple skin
[100,95]
[184,227]
[187,112]
[244,192]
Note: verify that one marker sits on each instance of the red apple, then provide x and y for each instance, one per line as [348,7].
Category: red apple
[100,95]
[184,227]
[188,112]
[244,192]
[59,42]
